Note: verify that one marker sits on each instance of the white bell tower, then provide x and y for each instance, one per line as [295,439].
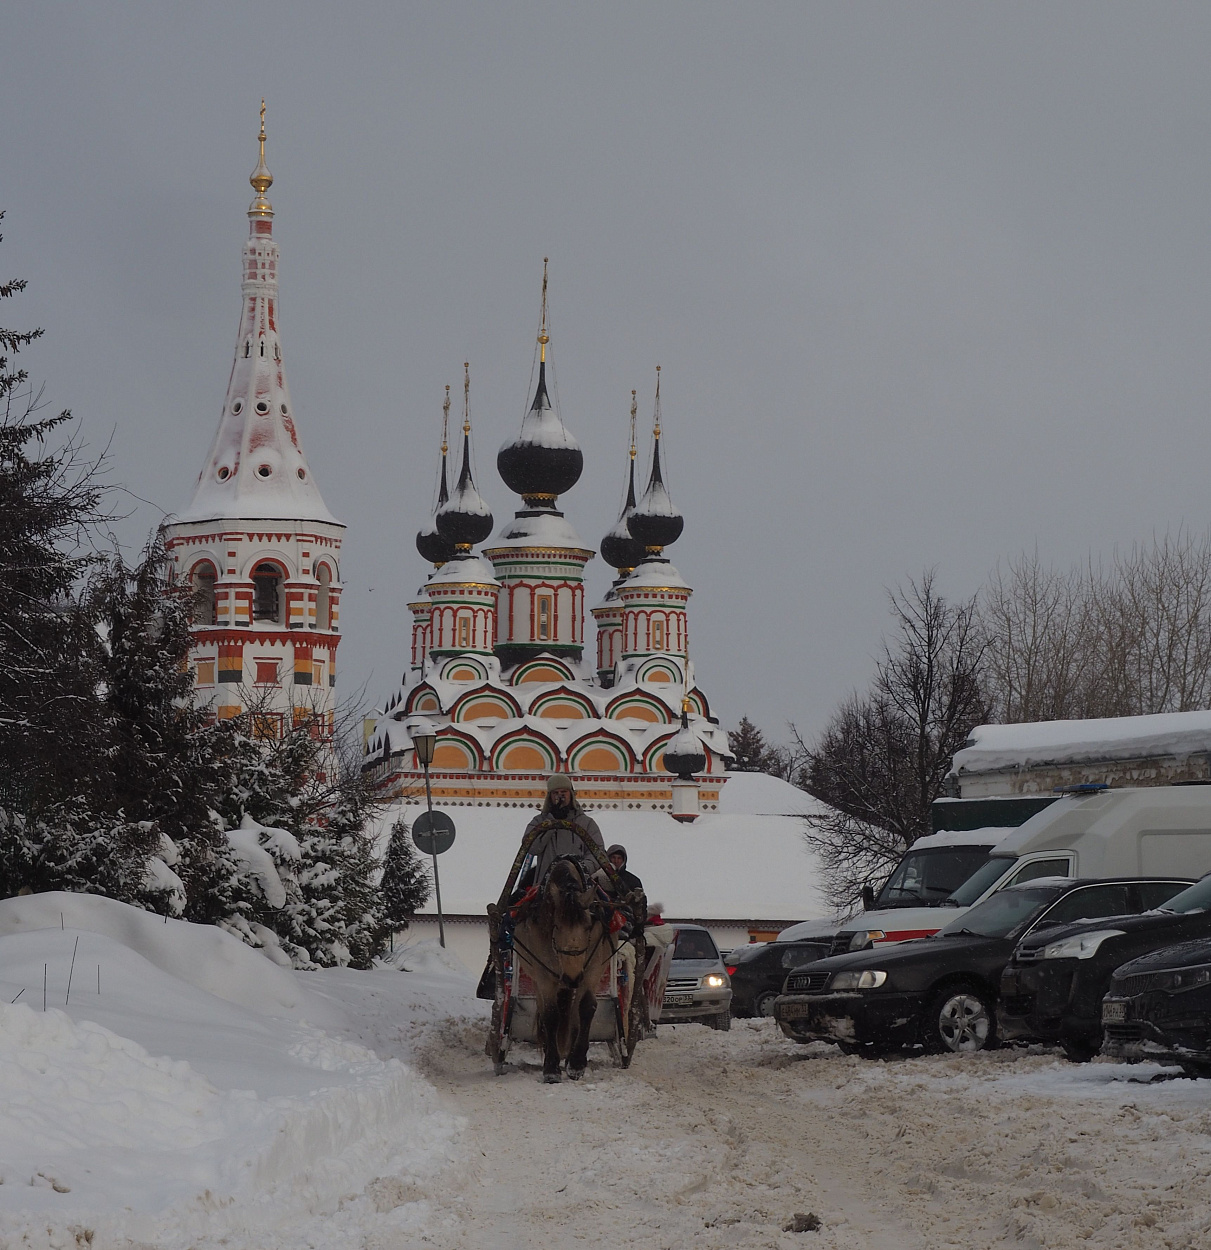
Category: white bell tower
[257,547]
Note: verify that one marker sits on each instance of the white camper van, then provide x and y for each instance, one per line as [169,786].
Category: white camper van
[1095,832]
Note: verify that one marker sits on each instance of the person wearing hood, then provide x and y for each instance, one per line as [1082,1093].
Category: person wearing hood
[628,881]
[558,840]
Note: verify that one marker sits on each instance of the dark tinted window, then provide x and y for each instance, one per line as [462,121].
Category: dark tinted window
[694,944]
[799,955]
[1157,893]
[1088,904]
[1001,914]
[987,875]
[1196,898]
[930,876]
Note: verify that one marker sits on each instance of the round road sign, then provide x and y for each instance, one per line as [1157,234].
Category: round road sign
[433,832]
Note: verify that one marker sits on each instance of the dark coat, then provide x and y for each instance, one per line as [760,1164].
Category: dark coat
[549,846]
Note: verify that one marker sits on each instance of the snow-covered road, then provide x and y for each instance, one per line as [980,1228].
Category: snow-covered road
[720,1139]
[194,1096]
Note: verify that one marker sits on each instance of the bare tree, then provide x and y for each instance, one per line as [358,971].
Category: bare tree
[883,758]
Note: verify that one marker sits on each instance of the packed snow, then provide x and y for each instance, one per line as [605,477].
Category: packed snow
[201,1096]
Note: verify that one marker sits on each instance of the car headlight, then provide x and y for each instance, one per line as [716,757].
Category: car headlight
[1185,979]
[1083,946]
[866,937]
[714,981]
[868,980]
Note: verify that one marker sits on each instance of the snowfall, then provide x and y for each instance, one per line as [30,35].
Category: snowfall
[165,1085]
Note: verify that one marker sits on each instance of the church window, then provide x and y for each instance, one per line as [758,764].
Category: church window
[224,473]
[263,470]
[267,593]
[203,594]
[317,672]
[262,353]
[247,348]
[267,726]
[464,631]
[323,598]
[544,617]
[266,672]
[237,407]
[657,635]
[205,673]
[262,407]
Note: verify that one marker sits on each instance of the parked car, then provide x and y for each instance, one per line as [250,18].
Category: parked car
[1161,831]
[1052,988]
[938,992]
[698,987]
[1159,1007]
[759,971]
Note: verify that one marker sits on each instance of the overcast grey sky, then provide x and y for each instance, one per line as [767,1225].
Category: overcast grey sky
[930,283]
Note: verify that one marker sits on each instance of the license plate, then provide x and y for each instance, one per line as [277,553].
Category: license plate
[1114,1013]
[794,1011]
[679,1000]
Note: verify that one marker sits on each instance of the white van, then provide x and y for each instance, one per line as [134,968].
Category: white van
[1153,830]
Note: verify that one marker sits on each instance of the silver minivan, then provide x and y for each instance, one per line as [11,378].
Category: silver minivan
[698,988]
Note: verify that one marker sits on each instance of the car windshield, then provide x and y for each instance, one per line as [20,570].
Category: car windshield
[926,878]
[1196,898]
[742,954]
[1001,914]
[989,873]
[694,944]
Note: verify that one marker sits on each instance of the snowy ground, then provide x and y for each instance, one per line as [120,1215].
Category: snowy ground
[207,1098]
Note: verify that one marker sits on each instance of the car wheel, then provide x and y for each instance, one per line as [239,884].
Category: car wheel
[722,1022]
[960,1018]
[763,1005]
[1079,1049]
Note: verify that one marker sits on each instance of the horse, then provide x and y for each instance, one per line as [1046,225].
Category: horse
[564,944]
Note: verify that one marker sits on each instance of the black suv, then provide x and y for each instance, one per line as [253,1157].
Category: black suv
[758,972]
[1159,1007]
[1051,991]
[939,992]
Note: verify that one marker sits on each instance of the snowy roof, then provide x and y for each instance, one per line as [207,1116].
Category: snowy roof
[548,529]
[749,861]
[962,837]
[654,573]
[993,747]
[470,571]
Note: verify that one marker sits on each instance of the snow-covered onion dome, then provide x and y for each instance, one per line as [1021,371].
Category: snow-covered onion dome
[431,545]
[684,755]
[544,461]
[465,519]
[618,548]
[656,521]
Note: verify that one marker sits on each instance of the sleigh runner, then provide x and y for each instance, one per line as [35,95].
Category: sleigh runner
[547,975]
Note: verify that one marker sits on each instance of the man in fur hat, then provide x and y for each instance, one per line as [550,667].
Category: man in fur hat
[551,843]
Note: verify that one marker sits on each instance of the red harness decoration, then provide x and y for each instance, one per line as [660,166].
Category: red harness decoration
[617,919]
[522,903]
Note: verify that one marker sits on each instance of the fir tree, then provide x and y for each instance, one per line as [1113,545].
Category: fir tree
[406,885]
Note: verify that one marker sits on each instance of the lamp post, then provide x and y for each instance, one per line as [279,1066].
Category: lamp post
[424,739]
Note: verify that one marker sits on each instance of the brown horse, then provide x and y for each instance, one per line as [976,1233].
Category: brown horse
[564,945]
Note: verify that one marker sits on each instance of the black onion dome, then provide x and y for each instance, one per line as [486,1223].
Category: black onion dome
[656,520]
[684,755]
[544,460]
[431,545]
[465,518]
[618,548]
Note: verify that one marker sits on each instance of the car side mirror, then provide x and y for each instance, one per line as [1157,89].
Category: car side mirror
[868,897]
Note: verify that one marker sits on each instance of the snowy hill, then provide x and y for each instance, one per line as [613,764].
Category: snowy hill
[255,1109]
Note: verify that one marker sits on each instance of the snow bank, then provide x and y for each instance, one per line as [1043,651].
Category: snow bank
[992,747]
[255,1122]
[200,955]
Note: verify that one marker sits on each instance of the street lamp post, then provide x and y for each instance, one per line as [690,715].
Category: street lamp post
[424,739]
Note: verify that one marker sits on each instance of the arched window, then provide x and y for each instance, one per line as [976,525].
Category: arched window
[267,593]
[464,630]
[544,618]
[657,634]
[203,580]
[323,599]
